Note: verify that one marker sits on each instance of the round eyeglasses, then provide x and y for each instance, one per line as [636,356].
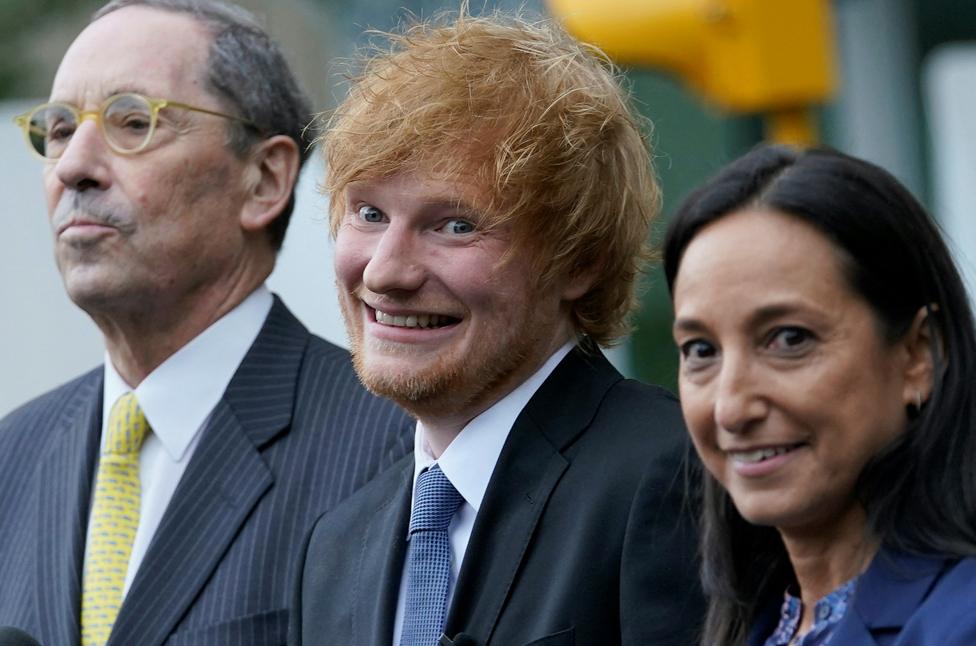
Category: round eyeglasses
[127,122]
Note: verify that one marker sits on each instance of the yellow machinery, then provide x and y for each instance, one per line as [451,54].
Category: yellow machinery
[773,57]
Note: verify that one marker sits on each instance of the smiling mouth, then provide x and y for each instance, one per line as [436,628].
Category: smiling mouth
[423,321]
[761,455]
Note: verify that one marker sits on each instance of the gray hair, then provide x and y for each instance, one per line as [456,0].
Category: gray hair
[248,73]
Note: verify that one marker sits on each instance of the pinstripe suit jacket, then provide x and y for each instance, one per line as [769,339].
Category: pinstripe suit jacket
[293,434]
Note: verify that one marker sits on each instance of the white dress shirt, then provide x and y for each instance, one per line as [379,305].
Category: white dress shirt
[177,399]
[468,463]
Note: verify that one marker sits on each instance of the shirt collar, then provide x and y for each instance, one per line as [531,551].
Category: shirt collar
[827,613]
[470,458]
[178,396]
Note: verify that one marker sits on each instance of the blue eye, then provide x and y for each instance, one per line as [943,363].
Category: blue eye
[371,214]
[458,227]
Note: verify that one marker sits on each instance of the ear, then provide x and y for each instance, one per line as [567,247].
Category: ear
[272,172]
[920,343]
[579,283]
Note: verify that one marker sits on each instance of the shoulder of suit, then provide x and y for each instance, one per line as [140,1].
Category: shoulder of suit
[633,403]
[327,350]
[638,427]
[956,586]
[948,613]
[376,495]
[27,430]
[650,394]
[49,404]
[326,362]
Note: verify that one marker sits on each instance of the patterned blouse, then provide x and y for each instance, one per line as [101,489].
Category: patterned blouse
[826,615]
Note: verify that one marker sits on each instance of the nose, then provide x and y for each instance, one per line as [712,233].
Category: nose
[739,402]
[397,262]
[83,164]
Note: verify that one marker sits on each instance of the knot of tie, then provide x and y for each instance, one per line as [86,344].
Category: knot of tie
[437,501]
[127,427]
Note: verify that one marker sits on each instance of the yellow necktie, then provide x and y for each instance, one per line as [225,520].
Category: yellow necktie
[114,519]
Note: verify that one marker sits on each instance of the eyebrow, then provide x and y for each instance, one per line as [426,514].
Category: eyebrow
[774,311]
[762,315]
[449,203]
[687,325]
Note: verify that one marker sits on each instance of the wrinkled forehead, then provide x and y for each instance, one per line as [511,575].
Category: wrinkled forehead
[136,49]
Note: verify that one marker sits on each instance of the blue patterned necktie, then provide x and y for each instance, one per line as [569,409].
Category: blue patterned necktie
[429,558]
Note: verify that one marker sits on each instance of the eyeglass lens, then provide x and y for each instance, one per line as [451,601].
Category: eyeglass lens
[126,122]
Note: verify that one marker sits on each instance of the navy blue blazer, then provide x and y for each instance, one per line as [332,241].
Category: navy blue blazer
[903,600]
[583,536]
[293,435]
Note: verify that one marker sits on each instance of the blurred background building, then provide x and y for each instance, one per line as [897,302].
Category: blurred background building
[905,98]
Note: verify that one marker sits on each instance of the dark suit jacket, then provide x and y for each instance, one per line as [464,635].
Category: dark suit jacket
[293,434]
[903,600]
[582,537]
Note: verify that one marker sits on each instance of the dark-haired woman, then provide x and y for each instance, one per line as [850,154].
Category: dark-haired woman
[828,380]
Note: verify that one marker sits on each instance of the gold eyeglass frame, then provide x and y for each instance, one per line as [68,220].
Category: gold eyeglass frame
[155,105]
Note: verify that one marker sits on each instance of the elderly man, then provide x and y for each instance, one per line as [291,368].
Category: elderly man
[165,496]
[491,197]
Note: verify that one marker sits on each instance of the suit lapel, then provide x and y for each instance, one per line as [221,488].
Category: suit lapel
[852,630]
[385,548]
[64,485]
[527,472]
[887,595]
[225,479]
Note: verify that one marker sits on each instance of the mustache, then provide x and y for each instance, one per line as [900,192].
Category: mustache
[75,205]
[383,301]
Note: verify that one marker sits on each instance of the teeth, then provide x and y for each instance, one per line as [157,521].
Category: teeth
[759,454]
[411,321]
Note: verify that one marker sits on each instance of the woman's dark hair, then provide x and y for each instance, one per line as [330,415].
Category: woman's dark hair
[920,492]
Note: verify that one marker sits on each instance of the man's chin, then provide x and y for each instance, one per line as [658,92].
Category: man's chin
[95,293]
[412,390]
[401,388]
